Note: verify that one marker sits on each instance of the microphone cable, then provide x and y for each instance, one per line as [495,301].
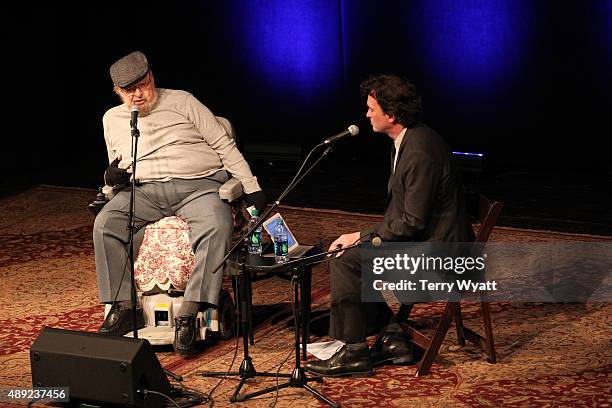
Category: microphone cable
[146,392]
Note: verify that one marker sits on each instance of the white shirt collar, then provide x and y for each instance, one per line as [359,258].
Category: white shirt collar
[397,143]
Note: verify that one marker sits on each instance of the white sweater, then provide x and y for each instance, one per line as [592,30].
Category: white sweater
[179,138]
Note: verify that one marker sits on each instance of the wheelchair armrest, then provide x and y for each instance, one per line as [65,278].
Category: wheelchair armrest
[231,190]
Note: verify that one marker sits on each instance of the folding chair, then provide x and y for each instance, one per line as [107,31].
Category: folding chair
[486,213]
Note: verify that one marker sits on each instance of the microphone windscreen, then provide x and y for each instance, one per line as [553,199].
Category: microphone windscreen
[376,241]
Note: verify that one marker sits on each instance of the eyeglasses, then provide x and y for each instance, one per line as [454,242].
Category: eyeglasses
[141,85]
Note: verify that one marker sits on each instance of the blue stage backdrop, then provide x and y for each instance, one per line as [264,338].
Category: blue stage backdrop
[304,59]
[473,50]
[527,82]
[473,45]
[292,49]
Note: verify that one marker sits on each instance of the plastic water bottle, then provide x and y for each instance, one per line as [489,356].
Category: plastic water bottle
[281,243]
[255,237]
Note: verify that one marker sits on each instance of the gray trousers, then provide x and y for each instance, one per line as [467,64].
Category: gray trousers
[195,201]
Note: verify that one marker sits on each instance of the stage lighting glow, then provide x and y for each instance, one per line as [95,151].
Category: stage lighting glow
[469,154]
[473,44]
[294,46]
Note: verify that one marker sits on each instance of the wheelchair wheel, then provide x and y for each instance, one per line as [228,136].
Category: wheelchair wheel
[227,316]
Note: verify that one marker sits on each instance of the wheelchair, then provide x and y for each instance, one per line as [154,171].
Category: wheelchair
[164,264]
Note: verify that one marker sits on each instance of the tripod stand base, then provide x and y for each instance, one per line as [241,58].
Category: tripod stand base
[247,370]
[297,379]
[300,276]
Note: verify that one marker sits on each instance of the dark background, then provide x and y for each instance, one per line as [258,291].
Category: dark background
[527,83]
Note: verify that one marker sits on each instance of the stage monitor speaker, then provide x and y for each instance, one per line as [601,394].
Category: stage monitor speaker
[97,368]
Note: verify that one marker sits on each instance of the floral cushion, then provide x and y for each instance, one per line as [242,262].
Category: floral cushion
[165,257]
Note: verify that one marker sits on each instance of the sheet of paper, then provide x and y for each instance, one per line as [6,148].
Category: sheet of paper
[324,350]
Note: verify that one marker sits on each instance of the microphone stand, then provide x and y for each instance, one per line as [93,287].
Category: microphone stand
[247,370]
[276,203]
[131,225]
[131,230]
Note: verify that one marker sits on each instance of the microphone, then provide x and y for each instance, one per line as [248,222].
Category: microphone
[351,131]
[134,116]
[376,240]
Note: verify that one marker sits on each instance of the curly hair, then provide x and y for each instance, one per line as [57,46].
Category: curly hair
[396,96]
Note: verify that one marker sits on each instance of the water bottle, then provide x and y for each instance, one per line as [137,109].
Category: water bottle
[281,244]
[255,237]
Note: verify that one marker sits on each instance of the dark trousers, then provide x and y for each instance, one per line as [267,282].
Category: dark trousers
[351,320]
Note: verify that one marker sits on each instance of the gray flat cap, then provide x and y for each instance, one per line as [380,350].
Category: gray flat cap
[129,69]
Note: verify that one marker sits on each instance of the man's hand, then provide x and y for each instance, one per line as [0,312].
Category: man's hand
[258,199]
[114,176]
[344,241]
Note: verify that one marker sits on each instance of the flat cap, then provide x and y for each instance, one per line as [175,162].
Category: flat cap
[129,69]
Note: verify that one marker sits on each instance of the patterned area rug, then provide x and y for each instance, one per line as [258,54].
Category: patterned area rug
[549,354]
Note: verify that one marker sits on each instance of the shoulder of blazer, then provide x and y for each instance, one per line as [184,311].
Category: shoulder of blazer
[420,137]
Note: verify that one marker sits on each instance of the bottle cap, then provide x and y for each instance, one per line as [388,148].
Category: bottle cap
[254,212]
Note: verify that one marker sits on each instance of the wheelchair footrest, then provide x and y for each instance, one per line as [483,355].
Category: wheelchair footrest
[163,335]
[159,313]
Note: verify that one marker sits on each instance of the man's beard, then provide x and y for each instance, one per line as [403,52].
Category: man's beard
[147,107]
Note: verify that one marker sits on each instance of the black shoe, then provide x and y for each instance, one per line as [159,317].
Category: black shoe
[185,334]
[393,346]
[345,362]
[119,321]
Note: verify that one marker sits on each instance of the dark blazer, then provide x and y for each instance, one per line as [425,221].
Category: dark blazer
[425,200]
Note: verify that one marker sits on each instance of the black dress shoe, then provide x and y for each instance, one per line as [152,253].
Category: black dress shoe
[393,346]
[345,362]
[185,334]
[119,321]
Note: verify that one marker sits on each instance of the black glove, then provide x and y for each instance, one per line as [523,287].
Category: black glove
[114,176]
[258,199]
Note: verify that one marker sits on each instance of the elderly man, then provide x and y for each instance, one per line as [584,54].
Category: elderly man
[182,157]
